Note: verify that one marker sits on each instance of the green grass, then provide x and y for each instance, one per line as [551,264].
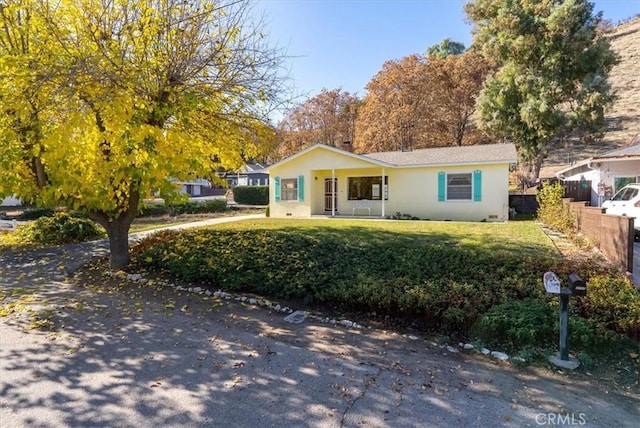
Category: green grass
[525,237]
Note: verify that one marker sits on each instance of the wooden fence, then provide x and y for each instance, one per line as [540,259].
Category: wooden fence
[523,203]
[612,234]
[577,190]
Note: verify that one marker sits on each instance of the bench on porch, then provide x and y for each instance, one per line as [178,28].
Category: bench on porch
[362,204]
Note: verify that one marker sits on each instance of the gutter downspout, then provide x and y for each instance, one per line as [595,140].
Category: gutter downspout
[600,180]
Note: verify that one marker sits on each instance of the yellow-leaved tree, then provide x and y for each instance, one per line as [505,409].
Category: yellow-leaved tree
[106,101]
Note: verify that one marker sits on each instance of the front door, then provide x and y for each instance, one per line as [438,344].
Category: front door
[330,194]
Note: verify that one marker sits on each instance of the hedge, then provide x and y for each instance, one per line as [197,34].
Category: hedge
[251,195]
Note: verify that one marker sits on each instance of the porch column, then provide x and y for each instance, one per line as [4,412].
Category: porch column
[384,184]
[333,192]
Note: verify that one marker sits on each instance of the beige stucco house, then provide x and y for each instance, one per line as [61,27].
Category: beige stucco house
[447,183]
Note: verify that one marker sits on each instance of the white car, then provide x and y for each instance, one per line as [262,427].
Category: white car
[627,203]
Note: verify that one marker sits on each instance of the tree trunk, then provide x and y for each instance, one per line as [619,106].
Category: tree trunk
[531,167]
[118,231]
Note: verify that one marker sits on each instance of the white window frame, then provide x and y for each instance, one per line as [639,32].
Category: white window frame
[378,197]
[287,190]
[447,185]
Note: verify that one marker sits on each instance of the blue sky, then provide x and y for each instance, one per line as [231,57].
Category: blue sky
[343,43]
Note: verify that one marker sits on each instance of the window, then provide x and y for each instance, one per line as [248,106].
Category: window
[626,194]
[620,182]
[368,188]
[289,189]
[459,187]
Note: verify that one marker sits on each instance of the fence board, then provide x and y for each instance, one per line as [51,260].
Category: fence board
[613,235]
[577,190]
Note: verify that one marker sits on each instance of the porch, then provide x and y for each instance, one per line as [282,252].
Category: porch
[353,193]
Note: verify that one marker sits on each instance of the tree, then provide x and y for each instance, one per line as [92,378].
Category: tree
[143,91]
[551,82]
[445,48]
[393,112]
[455,81]
[327,118]
[420,102]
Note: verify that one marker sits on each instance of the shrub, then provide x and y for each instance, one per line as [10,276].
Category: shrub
[434,285]
[551,210]
[61,228]
[199,207]
[518,323]
[153,209]
[190,207]
[35,213]
[612,303]
[431,284]
[251,195]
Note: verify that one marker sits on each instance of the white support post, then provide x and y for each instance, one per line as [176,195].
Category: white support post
[333,193]
[384,191]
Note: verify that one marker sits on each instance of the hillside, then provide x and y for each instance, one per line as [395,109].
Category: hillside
[623,117]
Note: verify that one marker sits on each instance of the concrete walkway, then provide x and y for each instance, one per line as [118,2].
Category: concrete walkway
[132,354]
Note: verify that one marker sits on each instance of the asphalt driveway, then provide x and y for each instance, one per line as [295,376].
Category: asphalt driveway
[126,353]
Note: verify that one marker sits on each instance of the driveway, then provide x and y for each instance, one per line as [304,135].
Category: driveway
[127,353]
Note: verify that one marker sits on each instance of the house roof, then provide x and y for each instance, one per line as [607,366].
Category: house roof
[624,153]
[329,148]
[252,167]
[454,155]
[633,150]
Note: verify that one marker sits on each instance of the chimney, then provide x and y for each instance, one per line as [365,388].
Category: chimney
[346,146]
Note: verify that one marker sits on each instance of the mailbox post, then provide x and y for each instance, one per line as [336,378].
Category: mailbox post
[576,287]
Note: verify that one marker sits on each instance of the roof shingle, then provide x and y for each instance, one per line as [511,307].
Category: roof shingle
[486,153]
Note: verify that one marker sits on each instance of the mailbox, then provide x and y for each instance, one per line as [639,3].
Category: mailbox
[577,286]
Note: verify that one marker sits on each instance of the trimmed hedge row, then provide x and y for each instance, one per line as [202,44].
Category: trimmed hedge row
[251,195]
[191,207]
[435,286]
[439,285]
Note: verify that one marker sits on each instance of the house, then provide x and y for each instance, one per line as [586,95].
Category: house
[608,172]
[10,202]
[198,187]
[251,174]
[444,183]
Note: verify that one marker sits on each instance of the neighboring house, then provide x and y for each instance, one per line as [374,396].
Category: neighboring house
[10,202]
[199,187]
[252,174]
[445,183]
[608,172]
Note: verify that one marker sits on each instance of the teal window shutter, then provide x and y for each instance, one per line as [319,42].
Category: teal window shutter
[276,184]
[442,182]
[477,185]
[301,188]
